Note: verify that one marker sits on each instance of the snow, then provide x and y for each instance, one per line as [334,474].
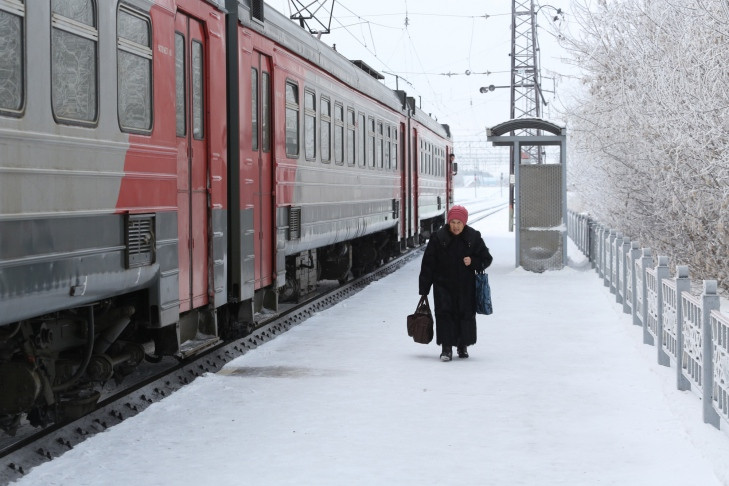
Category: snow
[559,390]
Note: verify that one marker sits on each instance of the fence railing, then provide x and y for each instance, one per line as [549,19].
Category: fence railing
[689,332]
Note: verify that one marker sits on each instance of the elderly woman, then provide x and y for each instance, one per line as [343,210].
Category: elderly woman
[455,253]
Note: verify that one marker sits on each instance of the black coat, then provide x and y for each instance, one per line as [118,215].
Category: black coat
[454,283]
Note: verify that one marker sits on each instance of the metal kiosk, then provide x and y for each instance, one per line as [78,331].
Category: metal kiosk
[539,192]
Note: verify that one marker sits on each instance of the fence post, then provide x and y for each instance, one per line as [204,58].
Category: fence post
[641,291]
[590,239]
[630,249]
[709,302]
[662,272]
[683,284]
[601,251]
[608,270]
[615,274]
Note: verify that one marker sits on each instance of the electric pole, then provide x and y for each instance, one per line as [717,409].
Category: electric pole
[525,78]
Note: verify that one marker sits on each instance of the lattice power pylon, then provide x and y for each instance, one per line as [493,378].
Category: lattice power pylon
[525,73]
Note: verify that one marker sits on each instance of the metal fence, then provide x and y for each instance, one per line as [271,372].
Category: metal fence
[689,332]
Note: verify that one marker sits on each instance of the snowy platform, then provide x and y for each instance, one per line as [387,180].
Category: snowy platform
[559,390]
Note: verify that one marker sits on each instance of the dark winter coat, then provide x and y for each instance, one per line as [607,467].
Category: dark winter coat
[454,283]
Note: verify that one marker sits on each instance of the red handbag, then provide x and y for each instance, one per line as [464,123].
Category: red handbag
[420,323]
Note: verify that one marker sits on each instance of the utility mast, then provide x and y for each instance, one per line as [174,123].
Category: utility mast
[525,74]
[525,78]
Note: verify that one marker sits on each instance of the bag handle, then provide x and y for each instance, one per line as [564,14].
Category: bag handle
[423,300]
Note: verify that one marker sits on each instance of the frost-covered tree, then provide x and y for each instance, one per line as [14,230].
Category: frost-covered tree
[650,130]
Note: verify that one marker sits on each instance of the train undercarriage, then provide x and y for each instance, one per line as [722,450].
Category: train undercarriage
[50,368]
[341,262]
[54,367]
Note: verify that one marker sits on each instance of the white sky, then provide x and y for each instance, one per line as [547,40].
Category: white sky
[446,37]
[559,390]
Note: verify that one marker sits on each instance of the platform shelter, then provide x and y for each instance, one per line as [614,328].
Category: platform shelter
[539,191]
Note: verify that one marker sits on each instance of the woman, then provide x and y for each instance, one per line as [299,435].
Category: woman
[453,256]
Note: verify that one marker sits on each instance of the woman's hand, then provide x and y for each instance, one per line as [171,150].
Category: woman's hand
[467,260]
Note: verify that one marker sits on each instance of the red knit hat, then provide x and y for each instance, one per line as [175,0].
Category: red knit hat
[458,212]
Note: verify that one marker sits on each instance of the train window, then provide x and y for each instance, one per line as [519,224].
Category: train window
[254,109]
[350,136]
[180,85]
[429,158]
[12,82]
[426,169]
[134,70]
[292,119]
[424,158]
[436,159]
[371,142]
[361,156]
[326,129]
[266,113]
[198,95]
[380,145]
[309,125]
[393,152]
[441,162]
[387,148]
[74,45]
[338,134]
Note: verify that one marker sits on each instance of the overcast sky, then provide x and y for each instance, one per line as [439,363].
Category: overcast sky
[422,41]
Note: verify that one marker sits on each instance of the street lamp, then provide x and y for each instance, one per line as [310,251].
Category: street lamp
[557,11]
[490,87]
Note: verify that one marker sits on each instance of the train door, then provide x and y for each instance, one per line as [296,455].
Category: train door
[449,178]
[415,161]
[405,206]
[192,149]
[261,139]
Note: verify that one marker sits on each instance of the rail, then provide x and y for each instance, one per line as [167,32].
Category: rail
[17,458]
[689,332]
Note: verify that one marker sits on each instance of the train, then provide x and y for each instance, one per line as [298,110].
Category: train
[171,171]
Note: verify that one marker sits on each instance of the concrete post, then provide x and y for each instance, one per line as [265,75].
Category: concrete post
[645,261]
[629,276]
[709,302]
[615,243]
[662,272]
[600,258]
[608,269]
[683,284]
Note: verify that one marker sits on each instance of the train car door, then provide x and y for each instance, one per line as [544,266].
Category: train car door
[415,161]
[261,129]
[192,170]
[449,178]
[405,184]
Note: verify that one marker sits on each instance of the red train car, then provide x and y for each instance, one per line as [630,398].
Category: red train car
[172,168]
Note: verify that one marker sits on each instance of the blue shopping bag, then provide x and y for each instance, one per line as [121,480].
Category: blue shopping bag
[483,295]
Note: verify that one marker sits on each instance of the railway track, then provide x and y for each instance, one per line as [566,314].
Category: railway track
[18,456]
[483,213]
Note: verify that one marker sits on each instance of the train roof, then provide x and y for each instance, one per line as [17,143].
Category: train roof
[356,74]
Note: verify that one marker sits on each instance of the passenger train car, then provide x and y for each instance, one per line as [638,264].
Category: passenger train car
[171,168]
